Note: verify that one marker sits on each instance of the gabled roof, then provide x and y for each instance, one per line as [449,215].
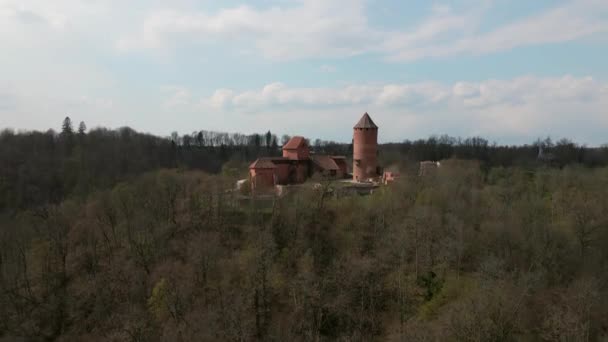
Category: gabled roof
[295,143]
[325,162]
[365,122]
[262,164]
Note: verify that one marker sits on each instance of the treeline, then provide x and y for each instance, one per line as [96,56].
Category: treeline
[555,154]
[37,168]
[512,255]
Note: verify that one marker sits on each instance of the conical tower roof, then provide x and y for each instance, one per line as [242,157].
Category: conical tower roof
[365,122]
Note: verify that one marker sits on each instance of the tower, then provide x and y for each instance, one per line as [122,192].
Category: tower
[365,149]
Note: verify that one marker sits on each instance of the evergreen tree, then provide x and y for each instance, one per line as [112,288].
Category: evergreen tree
[257,141]
[67,134]
[82,128]
[66,127]
[268,139]
[275,145]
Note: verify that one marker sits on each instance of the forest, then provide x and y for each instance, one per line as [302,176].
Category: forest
[115,235]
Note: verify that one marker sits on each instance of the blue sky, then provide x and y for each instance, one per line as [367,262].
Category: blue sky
[510,71]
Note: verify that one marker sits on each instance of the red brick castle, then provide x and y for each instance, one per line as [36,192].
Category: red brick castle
[297,163]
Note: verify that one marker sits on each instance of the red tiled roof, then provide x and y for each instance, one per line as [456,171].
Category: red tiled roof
[340,161]
[262,164]
[365,122]
[325,162]
[295,143]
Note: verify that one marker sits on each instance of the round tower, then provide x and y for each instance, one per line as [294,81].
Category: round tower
[365,149]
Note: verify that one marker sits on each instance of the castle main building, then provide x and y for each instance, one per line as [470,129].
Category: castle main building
[297,163]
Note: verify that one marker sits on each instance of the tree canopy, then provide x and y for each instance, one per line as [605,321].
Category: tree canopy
[115,235]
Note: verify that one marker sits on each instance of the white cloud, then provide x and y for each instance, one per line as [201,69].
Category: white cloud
[515,91]
[63,16]
[220,98]
[520,107]
[58,57]
[571,21]
[296,29]
[311,28]
[340,28]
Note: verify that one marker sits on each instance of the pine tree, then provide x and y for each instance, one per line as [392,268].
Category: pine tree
[257,141]
[268,139]
[82,128]
[66,127]
[67,135]
[275,145]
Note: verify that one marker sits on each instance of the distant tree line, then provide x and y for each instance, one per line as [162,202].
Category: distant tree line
[557,154]
[37,168]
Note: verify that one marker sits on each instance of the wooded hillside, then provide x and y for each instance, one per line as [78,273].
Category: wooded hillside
[503,254]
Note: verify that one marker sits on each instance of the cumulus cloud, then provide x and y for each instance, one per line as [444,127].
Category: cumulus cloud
[311,28]
[62,59]
[57,15]
[220,98]
[524,106]
[296,29]
[340,28]
[570,21]
[13,12]
[469,94]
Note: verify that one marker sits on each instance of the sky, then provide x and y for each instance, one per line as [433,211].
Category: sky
[507,70]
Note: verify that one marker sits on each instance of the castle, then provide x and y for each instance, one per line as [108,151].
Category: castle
[297,163]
